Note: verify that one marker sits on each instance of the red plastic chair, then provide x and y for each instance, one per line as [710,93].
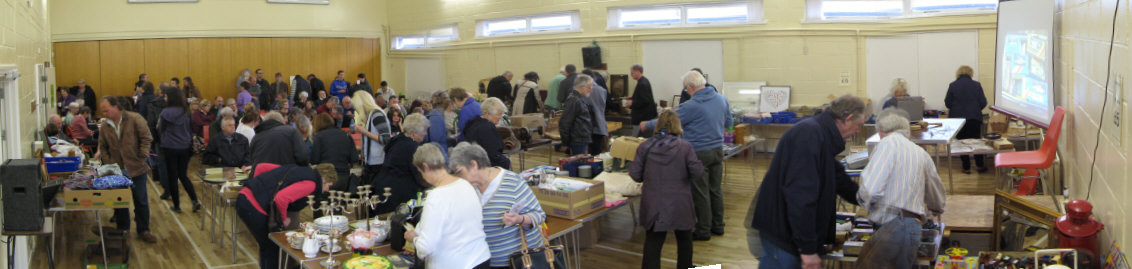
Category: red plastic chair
[1034,160]
[205,134]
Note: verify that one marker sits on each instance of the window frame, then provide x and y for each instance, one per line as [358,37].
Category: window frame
[755,15]
[814,13]
[575,25]
[426,38]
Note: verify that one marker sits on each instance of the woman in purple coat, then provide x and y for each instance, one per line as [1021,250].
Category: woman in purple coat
[666,164]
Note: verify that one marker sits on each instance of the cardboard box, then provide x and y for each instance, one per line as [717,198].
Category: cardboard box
[571,205]
[742,130]
[90,199]
[625,147]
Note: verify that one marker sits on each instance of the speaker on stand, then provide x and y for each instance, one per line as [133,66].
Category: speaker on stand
[21,181]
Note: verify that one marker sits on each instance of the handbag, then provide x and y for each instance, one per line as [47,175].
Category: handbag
[546,257]
[274,220]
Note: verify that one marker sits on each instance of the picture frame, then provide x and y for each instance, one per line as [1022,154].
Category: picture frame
[1015,219]
[619,85]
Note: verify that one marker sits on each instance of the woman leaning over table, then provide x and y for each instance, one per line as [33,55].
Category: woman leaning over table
[667,167]
[284,187]
[506,199]
[450,233]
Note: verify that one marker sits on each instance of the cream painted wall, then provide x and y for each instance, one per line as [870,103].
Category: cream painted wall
[784,50]
[24,42]
[1085,30]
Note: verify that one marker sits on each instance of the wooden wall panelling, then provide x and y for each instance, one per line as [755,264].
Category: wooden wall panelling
[167,58]
[78,60]
[121,62]
[112,67]
[357,59]
[292,56]
[212,67]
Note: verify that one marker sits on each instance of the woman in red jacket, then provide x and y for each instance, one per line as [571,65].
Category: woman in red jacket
[285,188]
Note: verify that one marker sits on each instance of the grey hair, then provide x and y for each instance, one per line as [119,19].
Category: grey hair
[845,105]
[227,119]
[415,123]
[463,155]
[583,80]
[274,115]
[226,112]
[440,100]
[493,106]
[693,78]
[303,94]
[302,120]
[893,120]
[507,73]
[428,154]
[898,84]
[231,100]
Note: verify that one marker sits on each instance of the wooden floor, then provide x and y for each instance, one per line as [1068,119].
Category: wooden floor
[183,244]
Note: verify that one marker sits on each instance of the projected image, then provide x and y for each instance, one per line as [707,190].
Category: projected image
[1025,80]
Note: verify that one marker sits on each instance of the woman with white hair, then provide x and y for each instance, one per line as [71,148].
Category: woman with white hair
[450,233]
[397,172]
[506,199]
[898,90]
[481,130]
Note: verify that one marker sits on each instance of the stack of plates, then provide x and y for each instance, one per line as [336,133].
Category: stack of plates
[326,223]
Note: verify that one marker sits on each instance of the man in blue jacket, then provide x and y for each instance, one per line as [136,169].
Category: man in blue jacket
[704,118]
[339,87]
[468,108]
[796,204]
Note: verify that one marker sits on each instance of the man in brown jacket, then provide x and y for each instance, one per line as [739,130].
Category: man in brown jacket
[125,141]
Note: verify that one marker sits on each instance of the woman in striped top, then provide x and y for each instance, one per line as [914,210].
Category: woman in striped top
[507,201]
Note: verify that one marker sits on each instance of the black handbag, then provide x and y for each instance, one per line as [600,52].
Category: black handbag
[274,220]
[546,257]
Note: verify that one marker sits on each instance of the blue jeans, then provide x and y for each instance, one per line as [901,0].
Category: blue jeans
[141,207]
[775,257]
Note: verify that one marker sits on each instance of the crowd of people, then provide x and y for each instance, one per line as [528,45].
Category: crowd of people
[293,136]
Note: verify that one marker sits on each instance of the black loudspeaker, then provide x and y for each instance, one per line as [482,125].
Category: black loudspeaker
[21,180]
[591,57]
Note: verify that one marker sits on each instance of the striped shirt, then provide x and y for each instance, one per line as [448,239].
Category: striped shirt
[504,240]
[900,176]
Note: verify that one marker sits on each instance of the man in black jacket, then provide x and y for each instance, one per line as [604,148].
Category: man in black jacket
[567,85]
[278,143]
[500,87]
[228,149]
[85,93]
[642,103]
[795,206]
[577,123]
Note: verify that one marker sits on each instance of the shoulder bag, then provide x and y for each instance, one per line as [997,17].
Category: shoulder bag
[546,257]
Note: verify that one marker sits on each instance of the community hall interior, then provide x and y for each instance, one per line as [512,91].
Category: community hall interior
[625,133]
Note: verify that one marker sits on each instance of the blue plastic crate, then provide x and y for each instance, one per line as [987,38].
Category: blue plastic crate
[62,164]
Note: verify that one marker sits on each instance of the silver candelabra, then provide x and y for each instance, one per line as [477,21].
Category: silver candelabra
[368,200]
[337,200]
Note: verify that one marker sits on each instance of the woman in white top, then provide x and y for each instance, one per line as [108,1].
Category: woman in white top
[450,233]
[248,124]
